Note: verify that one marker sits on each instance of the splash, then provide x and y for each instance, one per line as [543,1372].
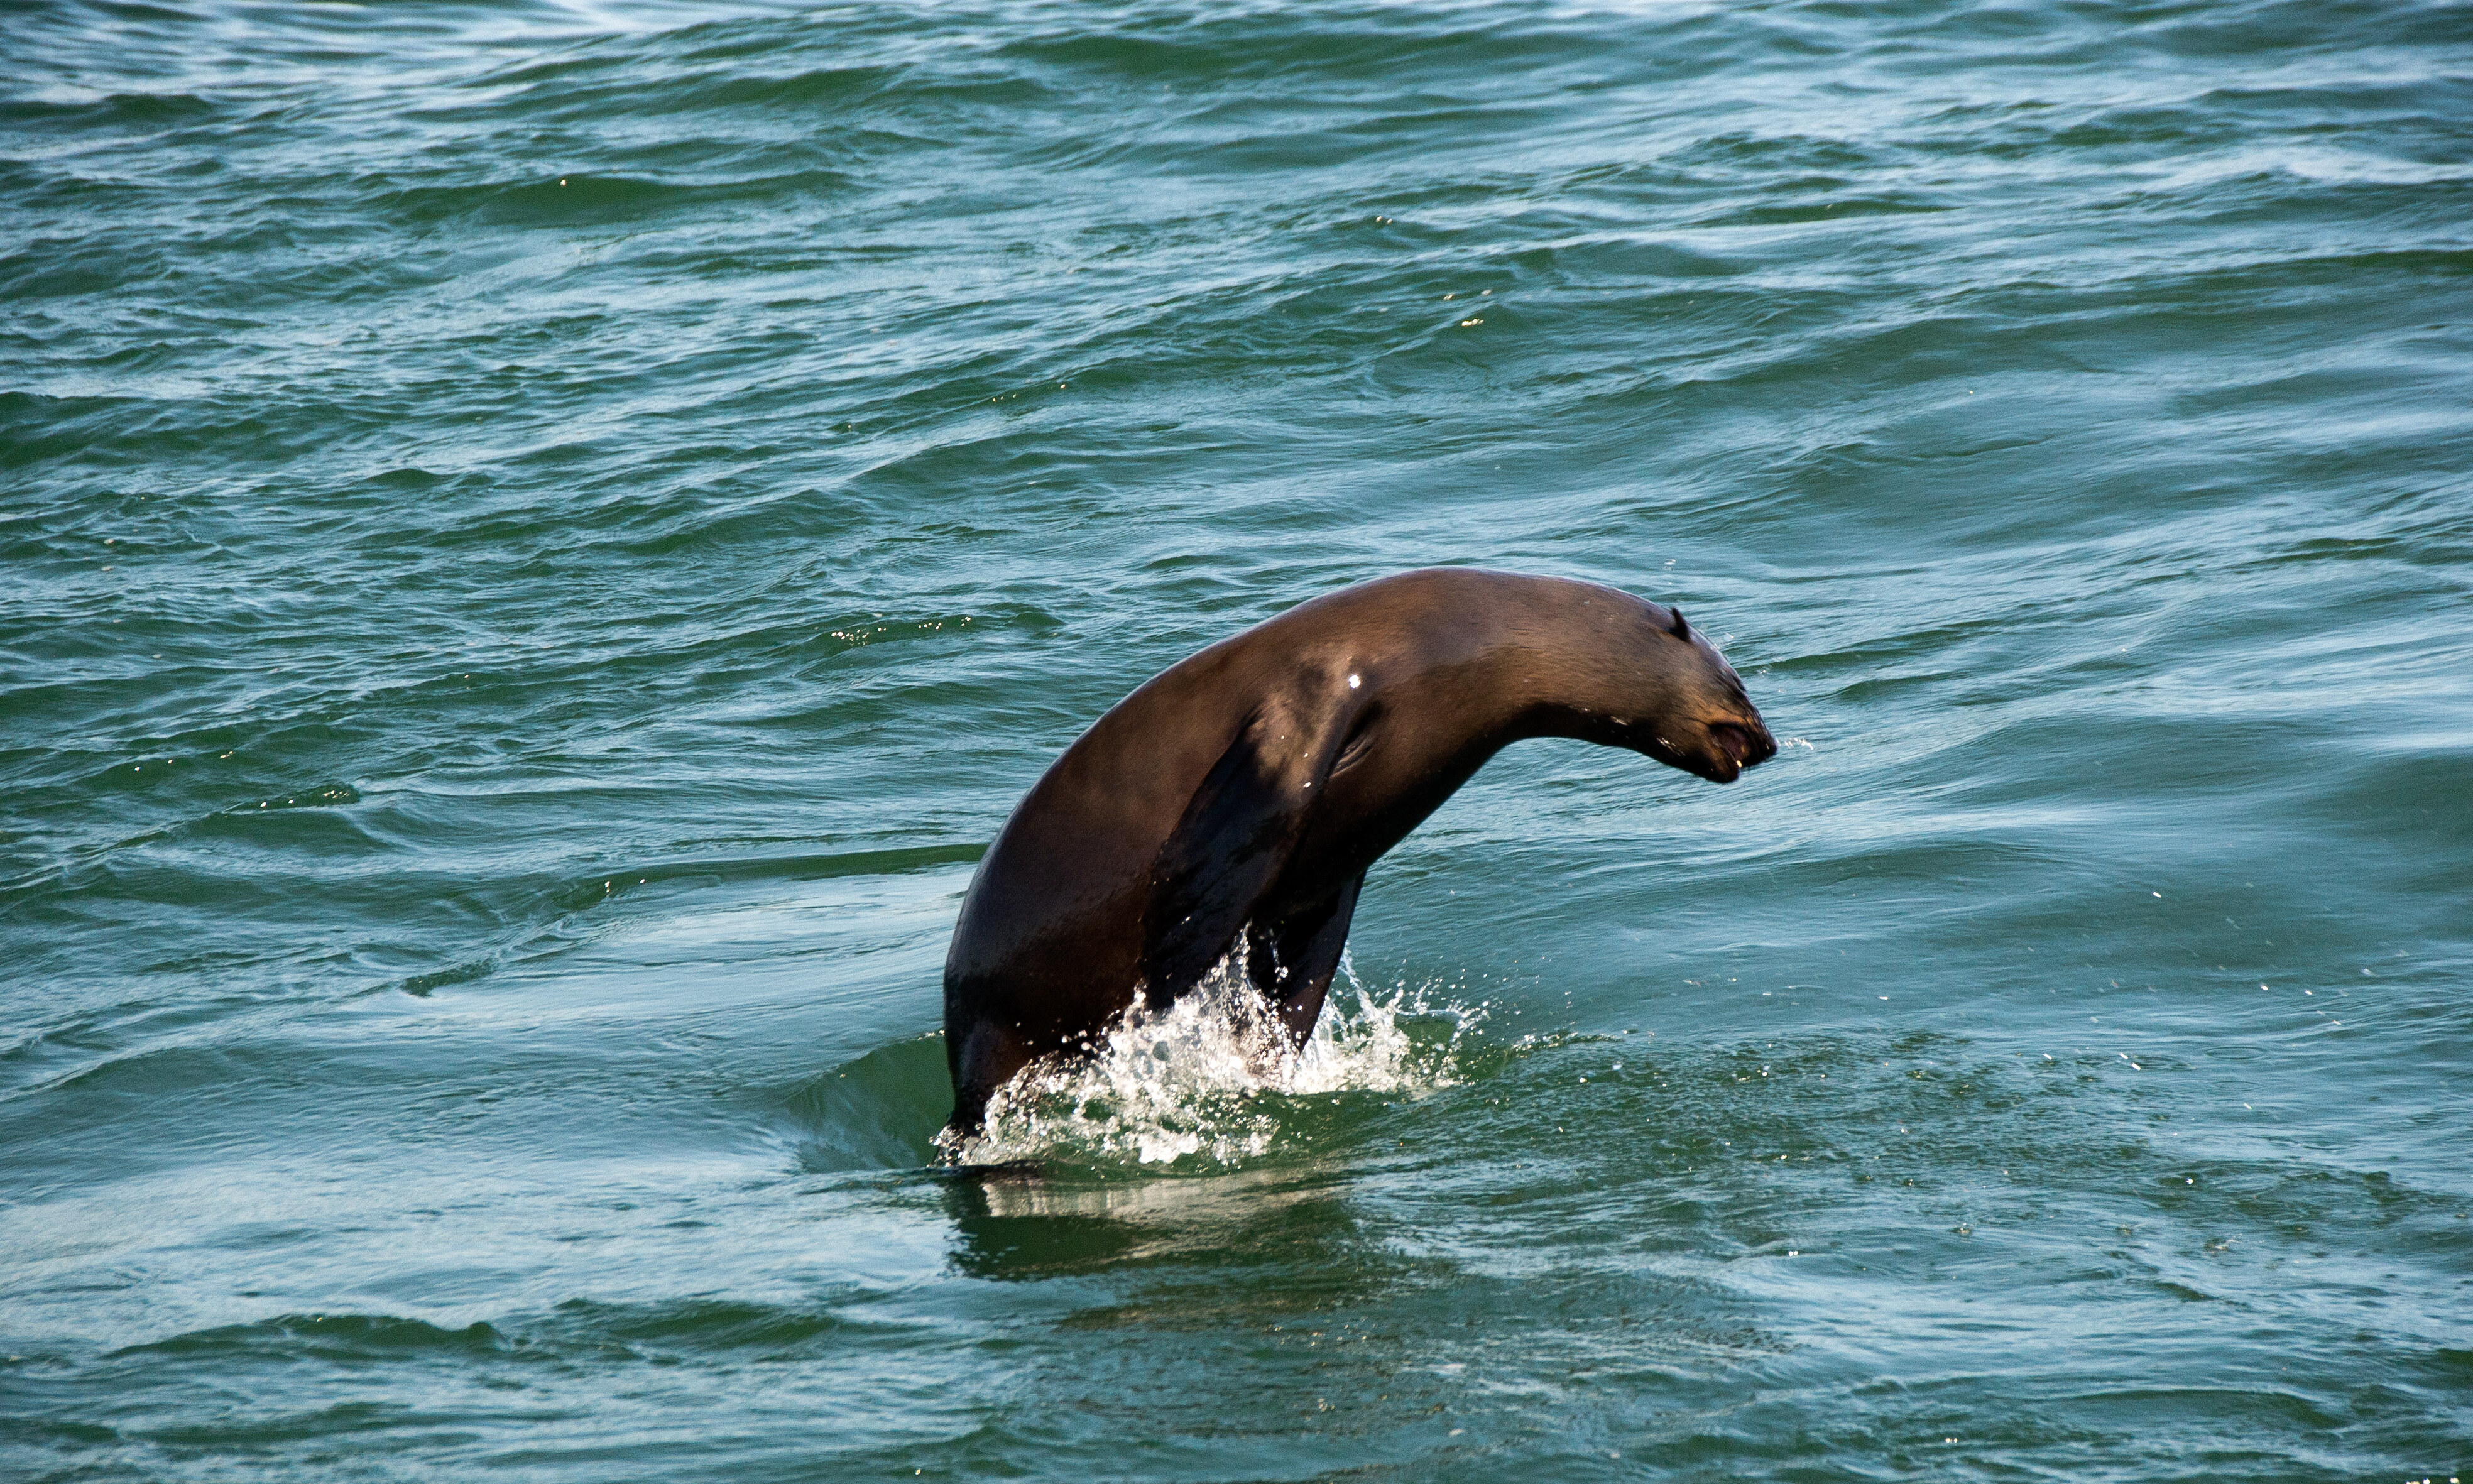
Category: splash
[1208,1079]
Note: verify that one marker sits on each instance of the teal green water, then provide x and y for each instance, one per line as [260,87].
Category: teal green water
[540,542]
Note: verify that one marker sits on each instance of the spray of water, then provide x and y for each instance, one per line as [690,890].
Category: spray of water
[1206,1080]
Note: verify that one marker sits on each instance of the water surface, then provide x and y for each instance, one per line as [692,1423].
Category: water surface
[542,542]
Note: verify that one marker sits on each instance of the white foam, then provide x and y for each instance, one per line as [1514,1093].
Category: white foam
[1207,1078]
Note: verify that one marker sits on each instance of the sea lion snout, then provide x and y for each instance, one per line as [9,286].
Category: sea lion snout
[1735,746]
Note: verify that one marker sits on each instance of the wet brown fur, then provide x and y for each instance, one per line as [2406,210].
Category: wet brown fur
[1244,791]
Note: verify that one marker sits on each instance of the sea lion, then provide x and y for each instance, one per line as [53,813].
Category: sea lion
[1245,790]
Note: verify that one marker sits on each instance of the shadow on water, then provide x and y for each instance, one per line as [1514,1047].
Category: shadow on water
[1005,1229]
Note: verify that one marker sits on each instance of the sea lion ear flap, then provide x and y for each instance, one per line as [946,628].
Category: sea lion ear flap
[1679,629]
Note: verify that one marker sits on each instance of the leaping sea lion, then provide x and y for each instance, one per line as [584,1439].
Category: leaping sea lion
[1243,791]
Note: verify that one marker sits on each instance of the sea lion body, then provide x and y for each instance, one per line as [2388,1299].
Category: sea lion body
[1244,791]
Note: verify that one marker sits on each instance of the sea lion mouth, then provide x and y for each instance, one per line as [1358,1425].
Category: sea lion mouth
[1737,747]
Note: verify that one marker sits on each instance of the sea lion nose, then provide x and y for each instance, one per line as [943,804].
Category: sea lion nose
[1764,746]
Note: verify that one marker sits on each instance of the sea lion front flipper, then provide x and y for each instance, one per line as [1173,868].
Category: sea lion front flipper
[1292,961]
[1231,844]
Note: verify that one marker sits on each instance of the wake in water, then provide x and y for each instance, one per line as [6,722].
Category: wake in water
[1205,1078]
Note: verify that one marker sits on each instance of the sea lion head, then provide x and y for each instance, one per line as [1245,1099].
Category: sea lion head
[1685,704]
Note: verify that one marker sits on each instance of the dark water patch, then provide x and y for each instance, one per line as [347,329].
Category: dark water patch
[335,1337]
[881,1111]
[657,1333]
[576,895]
[581,200]
[43,426]
[327,797]
[424,985]
[136,112]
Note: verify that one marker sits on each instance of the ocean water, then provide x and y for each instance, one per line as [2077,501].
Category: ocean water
[539,543]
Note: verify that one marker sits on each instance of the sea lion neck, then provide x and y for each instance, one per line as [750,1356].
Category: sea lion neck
[1476,661]
[1589,663]
[1596,664]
